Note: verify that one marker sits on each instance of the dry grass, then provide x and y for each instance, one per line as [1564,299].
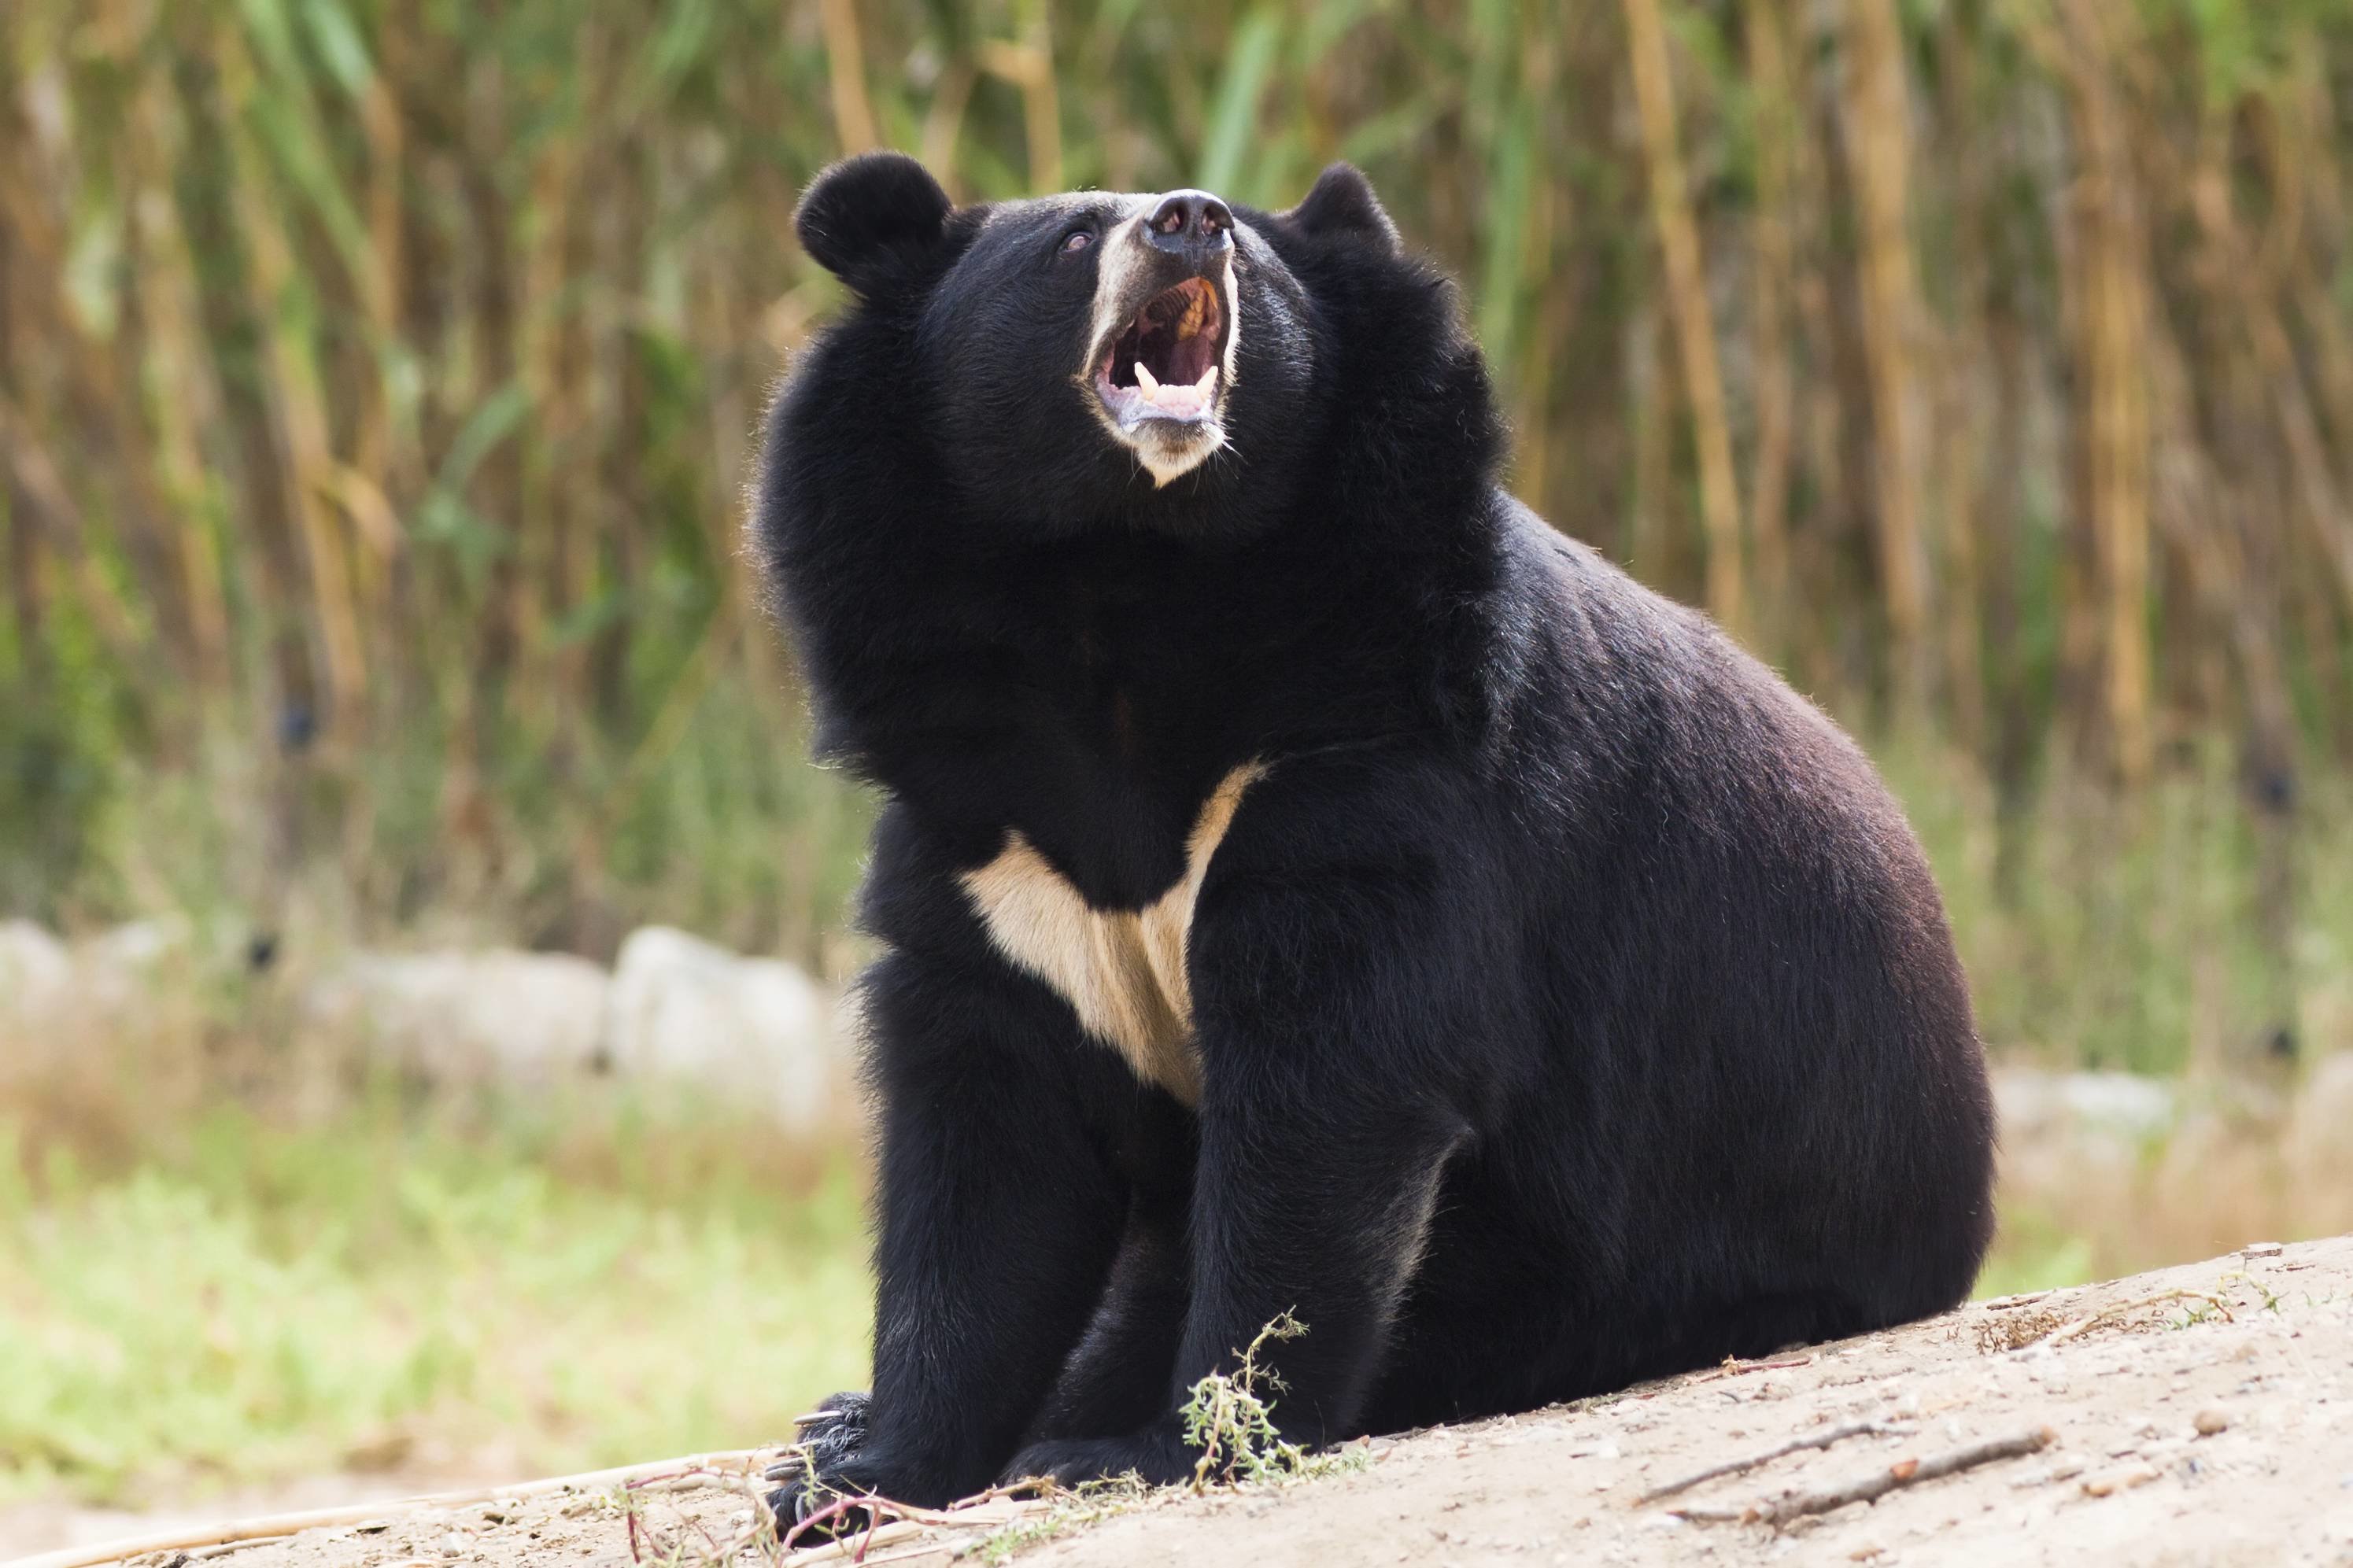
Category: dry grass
[2237,1168]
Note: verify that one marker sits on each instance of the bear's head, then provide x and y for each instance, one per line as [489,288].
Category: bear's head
[1168,360]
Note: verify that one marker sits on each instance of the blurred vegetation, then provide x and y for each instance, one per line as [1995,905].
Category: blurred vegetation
[200,1288]
[377,377]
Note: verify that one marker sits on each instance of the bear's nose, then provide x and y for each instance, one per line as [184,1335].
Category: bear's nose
[1194,225]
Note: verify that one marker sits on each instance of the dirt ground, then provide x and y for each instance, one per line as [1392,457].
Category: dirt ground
[2195,1415]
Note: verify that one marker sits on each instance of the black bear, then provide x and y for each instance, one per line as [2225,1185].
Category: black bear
[1307,883]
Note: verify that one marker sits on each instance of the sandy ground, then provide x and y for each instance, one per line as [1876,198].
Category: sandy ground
[2197,1415]
[46,1525]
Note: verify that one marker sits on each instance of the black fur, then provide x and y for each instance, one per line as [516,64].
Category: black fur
[1572,1003]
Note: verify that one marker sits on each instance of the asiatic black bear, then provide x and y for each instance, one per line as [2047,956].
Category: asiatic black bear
[1308,882]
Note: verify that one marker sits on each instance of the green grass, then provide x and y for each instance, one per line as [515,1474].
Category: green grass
[2034,1250]
[265,1302]
[2132,936]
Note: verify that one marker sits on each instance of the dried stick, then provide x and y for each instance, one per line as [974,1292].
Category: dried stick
[978,1512]
[1733,1366]
[271,1527]
[1795,1446]
[901,1530]
[1878,1483]
[2085,1325]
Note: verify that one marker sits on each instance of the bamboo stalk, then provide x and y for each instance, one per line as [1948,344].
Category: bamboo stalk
[91,403]
[1041,109]
[1647,542]
[1878,141]
[180,386]
[1769,83]
[45,505]
[2234,566]
[2110,309]
[943,124]
[844,59]
[1962,408]
[1693,318]
[296,400]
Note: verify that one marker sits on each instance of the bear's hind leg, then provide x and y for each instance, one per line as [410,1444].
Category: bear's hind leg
[1460,1358]
[1635,1343]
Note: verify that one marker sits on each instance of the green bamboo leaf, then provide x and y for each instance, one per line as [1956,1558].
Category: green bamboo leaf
[1492,51]
[1111,24]
[1392,129]
[491,424]
[298,154]
[272,34]
[1234,115]
[1328,24]
[340,47]
[681,45]
[1505,252]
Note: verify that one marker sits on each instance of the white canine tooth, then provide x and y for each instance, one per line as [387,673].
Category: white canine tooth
[1209,381]
[1145,379]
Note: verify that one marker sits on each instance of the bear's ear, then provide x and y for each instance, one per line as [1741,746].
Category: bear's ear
[1342,203]
[872,218]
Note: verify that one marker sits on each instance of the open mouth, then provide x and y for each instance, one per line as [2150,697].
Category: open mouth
[1165,365]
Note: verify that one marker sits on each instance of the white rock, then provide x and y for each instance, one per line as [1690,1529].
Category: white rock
[496,1016]
[2121,1104]
[123,971]
[35,974]
[138,947]
[682,1008]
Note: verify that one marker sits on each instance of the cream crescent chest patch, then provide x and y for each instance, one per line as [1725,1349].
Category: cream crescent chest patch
[1121,971]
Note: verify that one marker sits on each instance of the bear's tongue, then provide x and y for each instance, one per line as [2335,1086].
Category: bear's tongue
[1169,353]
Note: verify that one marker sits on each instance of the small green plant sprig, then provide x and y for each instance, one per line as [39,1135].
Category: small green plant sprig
[1233,1426]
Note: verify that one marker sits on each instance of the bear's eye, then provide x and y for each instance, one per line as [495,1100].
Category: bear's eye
[1078,240]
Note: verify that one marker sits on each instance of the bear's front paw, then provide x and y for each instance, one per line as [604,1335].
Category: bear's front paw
[1158,1460]
[824,1468]
[813,1505]
[829,1435]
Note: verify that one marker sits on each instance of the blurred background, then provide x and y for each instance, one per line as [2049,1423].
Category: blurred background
[378,654]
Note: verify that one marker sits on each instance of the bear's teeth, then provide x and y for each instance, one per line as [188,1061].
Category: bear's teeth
[1182,400]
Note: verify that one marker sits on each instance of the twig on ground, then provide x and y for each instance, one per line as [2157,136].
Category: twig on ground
[2081,1326]
[1795,1446]
[1877,1484]
[271,1527]
[840,1509]
[983,1510]
[833,1551]
[1033,1485]
[1734,1367]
